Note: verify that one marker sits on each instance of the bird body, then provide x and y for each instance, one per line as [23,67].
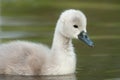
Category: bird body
[28,58]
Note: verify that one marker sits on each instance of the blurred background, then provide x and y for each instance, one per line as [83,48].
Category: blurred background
[35,20]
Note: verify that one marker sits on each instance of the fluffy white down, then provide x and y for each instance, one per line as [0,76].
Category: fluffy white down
[27,58]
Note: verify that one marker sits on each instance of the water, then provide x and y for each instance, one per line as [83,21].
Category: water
[67,77]
[99,63]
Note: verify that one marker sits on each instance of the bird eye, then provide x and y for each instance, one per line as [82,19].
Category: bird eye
[75,26]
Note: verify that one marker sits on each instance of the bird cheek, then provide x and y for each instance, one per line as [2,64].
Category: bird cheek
[76,33]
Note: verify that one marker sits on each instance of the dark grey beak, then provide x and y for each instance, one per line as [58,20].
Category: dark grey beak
[84,37]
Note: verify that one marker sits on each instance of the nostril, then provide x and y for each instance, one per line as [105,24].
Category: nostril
[86,36]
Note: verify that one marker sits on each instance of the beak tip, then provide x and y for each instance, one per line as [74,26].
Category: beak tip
[84,37]
[91,44]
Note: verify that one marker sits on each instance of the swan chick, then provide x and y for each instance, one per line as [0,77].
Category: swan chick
[27,58]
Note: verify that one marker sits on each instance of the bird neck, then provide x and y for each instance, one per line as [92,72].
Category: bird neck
[63,58]
[61,43]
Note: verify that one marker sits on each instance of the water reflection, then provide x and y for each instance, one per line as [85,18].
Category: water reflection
[23,21]
[66,77]
[113,79]
[15,34]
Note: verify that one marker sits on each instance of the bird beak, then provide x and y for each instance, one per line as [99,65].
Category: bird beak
[84,37]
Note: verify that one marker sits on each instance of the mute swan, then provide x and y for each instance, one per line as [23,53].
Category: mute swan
[26,58]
